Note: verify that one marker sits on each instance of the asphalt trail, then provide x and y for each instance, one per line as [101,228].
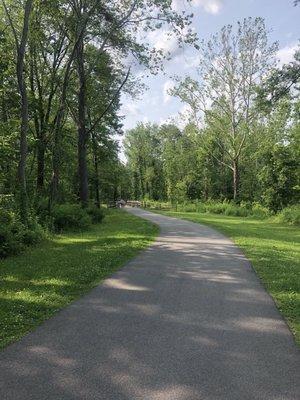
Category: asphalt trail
[187,319]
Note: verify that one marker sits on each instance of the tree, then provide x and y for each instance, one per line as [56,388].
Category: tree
[143,147]
[115,28]
[20,45]
[232,63]
[46,55]
[282,82]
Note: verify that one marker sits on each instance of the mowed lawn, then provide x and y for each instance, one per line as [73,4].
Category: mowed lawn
[273,249]
[34,285]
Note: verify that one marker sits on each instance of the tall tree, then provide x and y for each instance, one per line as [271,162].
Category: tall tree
[232,63]
[21,43]
[115,28]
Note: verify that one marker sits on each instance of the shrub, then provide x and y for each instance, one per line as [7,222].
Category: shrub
[11,233]
[215,207]
[14,236]
[187,207]
[200,207]
[244,209]
[70,216]
[42,208]
[290,215]
[236,211]
[96,214]
[34,234]
[156,205]
[260,211]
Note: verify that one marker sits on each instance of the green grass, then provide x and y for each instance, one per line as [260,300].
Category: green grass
[273,249]
[34,285]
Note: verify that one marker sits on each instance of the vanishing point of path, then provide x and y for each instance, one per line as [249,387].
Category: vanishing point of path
[185,320]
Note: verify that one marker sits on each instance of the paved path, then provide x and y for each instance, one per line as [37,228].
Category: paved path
[185,320]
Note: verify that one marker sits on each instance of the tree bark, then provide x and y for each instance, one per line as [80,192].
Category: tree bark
[81,127]
[56,156]
[40,165]
[235,171]
[56,152]
[96,172]
[20,71]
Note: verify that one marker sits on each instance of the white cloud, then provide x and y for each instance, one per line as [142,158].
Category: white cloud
[286,54]
[190,61]
[179,119]
[163,40]
[169,84]
[179,5]
[169,42]
[210,6]
[184,115]
[130,108]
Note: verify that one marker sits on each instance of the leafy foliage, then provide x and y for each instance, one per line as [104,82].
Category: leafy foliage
[63,68]
[15,236]
[70,216]
[291,215]
[239,143]
[96,214]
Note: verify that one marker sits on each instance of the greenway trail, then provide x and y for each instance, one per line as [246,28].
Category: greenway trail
[187,319]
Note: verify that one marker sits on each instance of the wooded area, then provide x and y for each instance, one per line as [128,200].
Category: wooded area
[64,65]
[241,140]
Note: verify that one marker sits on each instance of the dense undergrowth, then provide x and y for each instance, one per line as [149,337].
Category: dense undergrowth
[16,236]
[290,215]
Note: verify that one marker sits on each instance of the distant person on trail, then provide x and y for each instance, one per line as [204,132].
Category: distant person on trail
[121,203]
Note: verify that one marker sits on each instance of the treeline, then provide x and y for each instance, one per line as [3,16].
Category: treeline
[63,67]
[241,140]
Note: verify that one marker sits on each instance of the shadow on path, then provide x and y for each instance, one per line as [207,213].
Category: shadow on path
[185,320]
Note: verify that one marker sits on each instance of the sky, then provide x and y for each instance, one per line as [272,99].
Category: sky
[282,19]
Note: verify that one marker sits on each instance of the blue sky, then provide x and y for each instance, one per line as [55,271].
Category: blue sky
[281,17]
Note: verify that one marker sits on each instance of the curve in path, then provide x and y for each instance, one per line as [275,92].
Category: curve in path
[185,320]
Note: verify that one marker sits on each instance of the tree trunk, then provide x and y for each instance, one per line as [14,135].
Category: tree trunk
[96,172]
[56,156]
[56,152]
[235,180]
[23,113]
[40,165]
[81,128]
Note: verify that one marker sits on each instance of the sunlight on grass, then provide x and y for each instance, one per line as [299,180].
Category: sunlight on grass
[35,285]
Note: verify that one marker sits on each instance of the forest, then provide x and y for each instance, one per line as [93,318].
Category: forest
[240,141]
[64,66]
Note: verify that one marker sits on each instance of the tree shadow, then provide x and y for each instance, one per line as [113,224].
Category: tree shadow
[186,319]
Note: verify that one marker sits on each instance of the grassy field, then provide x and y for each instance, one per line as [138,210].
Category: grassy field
[34,285]
[273,249]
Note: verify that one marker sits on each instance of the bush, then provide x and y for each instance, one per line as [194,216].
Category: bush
[70,216]
[156,205]
[14,236]
[215,207]
[290,215]
[260,211]
[244,209]
[11,233]
[187,207]
[96,214]
[236,211]
[34,234]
